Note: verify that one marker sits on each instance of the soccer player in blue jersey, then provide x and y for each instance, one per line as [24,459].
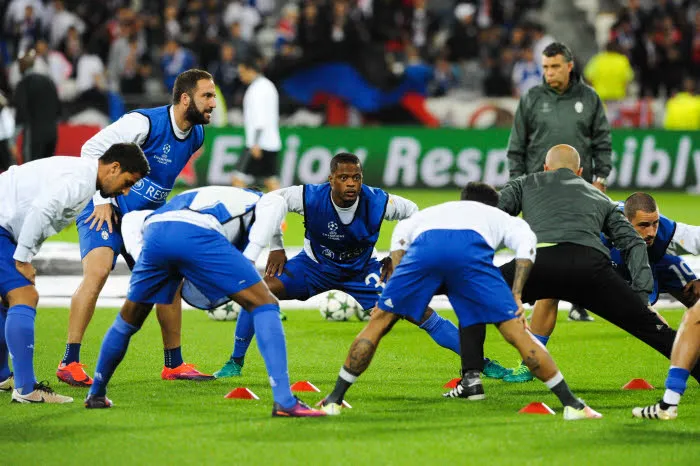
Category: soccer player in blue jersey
[342,219]
[210,237]
[450,247]
[168,135]
[670,272]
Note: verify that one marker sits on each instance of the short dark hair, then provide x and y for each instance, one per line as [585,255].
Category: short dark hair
[186,83]
[637,202]
[344,157]
[480,192]
[130,157]
[251,61]
[557,48]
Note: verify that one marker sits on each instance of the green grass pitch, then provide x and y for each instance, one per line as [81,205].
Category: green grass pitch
[398,415]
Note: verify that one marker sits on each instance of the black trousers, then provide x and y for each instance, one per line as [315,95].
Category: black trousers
[38,144]
[583,275]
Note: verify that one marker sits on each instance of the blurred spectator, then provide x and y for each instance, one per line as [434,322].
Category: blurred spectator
[683,109]
[245,15]
[691,47]
[526,73]
[61,21]
[38,111]
[7,134]
[464,39]
[540,40]
[46,61]
[211,35]
[16,12]
[346,27]
[423,24]
[242,46]
[26,31]
[91,82]
[285,43]
[225,73]
[445,78]
[624,35]
[175,60]
[647,57]
[672,71]
[312,29]
[498,80]
[609,72]
[72,47]
[171,23]
[416,71]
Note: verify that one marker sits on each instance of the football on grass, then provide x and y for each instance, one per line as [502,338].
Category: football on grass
[338,306]
[225,312]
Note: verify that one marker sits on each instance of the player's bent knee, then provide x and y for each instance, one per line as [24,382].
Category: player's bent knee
[27,295]
[135,313]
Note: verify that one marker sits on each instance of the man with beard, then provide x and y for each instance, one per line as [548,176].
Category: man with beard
[168,135]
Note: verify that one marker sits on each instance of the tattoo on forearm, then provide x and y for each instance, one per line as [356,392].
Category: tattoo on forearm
[361,353]
[522,271]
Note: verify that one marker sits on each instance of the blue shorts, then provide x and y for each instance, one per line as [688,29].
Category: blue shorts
[302,278]
[93,239]
[176,250]
[461,263]
[671,274]
[10,278]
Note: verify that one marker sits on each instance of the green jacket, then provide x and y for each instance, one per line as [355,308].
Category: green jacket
[561,207]
[544,119]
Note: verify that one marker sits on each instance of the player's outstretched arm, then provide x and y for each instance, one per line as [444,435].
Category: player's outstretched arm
[687,237]
[399,208]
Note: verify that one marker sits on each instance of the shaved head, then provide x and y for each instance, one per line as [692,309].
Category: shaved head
[563,156]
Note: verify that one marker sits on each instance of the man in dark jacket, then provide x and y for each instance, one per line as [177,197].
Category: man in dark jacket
[38,111]
[561,110]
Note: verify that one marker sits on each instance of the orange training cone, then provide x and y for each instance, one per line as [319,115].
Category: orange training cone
[242,393]
[637,384]
[452,383]
[536,408]
[304,386]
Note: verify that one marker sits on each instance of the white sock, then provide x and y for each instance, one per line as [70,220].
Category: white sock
[347,376]
[558,377]
[671,397]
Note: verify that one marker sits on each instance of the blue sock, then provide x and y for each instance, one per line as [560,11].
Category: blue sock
[273,349]
[114,346]
[4,361]
[245,331]
[541,339]
[677,379]
[442,331]
[173,357]
[19,334]
[72,353]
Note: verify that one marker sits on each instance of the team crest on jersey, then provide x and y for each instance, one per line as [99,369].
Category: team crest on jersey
[333,232]
[105,235]
[546,108]
[163,158]
[578,106]
[328,253]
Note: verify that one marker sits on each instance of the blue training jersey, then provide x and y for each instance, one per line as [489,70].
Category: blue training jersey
[337,246]
[167,155]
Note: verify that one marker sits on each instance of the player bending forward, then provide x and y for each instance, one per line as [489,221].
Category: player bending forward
[450,247]
[202,236]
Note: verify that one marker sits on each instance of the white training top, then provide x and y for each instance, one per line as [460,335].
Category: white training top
[40,198]
[686,239]
[269,215]
[132,127]
[261,112]
[398,208]
[494,225]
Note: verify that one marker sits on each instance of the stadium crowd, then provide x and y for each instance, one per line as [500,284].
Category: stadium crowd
[112,55]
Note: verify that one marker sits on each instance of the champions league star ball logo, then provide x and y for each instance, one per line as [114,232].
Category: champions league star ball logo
[166,149]
[332,227]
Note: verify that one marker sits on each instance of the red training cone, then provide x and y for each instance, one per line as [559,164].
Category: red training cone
[536,408]
[242,393]
[304,386]
[637,384]
[452,383]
